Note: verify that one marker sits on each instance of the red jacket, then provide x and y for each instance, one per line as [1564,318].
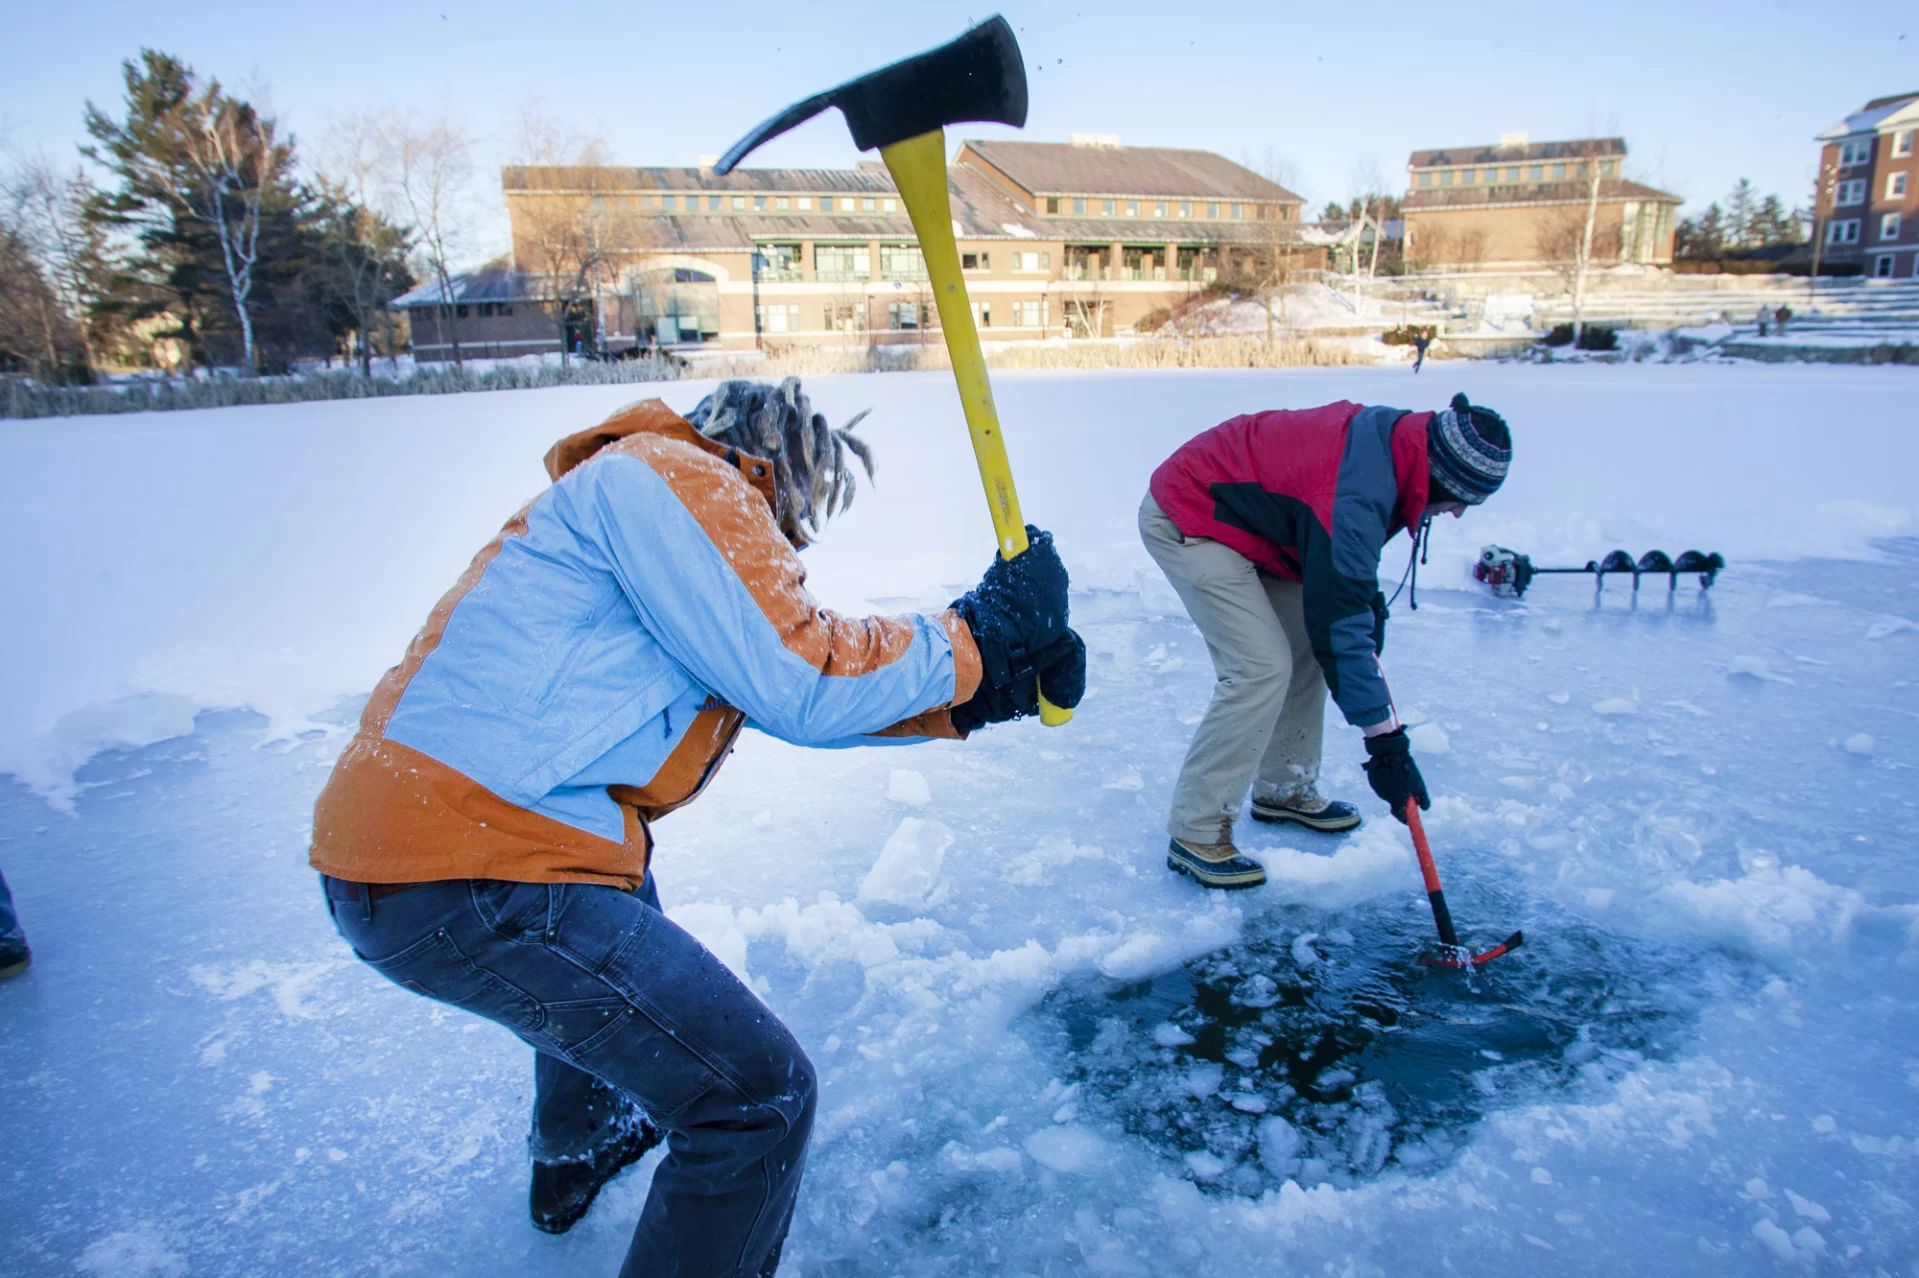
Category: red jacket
[1311,495]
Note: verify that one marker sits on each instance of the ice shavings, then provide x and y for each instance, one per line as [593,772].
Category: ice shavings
[909,863]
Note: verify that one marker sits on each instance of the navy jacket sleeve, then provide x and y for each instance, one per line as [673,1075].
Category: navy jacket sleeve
[1340,568]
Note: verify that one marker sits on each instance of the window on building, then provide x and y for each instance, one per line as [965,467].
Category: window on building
[1559,172]
[905,316]
[1489,176]
[1536,173]
[1882,266]
[1052,204]
[976,261]
[1579,169]
[1425,178]
[1512,173]
[1608,167]
[1185,208]
[826,204]
[1446,177]
[845,317]
[759,204]
[1888,226]
[868,204]
[982,314]
[902,262]
[459,312]
[1902,144]
[1468,177]
[1895,185]
[1212,210]
[1079,206]
[888,206]
[1236,212]
[782,204]
[1159,208]
[1845,231]
[839,263]
[776,318]
[1106,208]
[739,204]
[1032,314]
[712,203]
[1855,151]
[1852,191]
[1132,208]
[806,204]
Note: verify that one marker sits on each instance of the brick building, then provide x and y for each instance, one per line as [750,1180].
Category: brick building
[1866,204]
[1084,237]
[1519,205]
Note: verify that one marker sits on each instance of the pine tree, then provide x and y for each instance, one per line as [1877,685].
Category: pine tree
[1742,207]
[207,192]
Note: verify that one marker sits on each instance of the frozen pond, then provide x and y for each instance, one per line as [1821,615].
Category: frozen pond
[1048,1056]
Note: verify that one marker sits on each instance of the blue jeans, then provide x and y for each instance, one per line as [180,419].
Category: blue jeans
[616,999]
[9,921]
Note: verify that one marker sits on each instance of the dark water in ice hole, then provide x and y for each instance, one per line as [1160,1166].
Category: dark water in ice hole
[1371,1060]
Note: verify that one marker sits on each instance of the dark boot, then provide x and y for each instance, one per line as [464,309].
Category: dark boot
[563,1191]
[1330,816]
[15,957]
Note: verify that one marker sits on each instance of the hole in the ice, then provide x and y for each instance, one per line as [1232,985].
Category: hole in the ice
[1317,1050]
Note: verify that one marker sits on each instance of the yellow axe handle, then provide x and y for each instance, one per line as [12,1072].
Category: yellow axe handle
[918,166]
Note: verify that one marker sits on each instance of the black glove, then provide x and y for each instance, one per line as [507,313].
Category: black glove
[1380,614]
[1017,610]
[1393,774]
[1061,676]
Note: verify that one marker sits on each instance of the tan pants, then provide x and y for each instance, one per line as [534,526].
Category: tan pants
[1269,704]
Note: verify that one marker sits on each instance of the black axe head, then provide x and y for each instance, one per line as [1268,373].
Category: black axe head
[978,77]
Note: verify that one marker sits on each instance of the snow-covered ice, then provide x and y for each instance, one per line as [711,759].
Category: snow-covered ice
[1040,1052]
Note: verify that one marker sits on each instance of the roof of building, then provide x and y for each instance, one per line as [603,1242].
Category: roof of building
[1519,152]
[1055,168]
[870,177]
[496,281]
[982,210]
[1611,191]
[1880,113]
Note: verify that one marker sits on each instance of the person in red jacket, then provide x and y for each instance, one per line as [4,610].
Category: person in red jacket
[1270,528]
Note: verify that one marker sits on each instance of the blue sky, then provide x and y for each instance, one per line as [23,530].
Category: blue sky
[1704,93]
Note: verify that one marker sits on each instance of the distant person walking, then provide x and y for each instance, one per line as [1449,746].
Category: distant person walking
[1783,314]
[14,954]
[1762,317]
[1422,338]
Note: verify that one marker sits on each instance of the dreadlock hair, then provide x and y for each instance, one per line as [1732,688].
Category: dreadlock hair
[811,477]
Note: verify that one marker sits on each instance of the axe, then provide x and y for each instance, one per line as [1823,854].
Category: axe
[903,109]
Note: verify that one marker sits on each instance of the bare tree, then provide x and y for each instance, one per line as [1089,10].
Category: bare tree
[571,243]
[350,160]
[539,139]
[421,169]
[47,214]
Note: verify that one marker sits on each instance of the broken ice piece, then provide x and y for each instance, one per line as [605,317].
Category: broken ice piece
[1258,990]
[1167,1034]
[1249,1103]
[1205,1166]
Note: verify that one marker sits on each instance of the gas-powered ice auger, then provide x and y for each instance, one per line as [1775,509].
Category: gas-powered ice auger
[1508,572]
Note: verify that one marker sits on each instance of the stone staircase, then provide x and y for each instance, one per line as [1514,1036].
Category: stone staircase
[1849,309]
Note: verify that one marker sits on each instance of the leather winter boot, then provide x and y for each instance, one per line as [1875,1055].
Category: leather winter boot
[1217,864]
[1304,807]
[562,1192]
